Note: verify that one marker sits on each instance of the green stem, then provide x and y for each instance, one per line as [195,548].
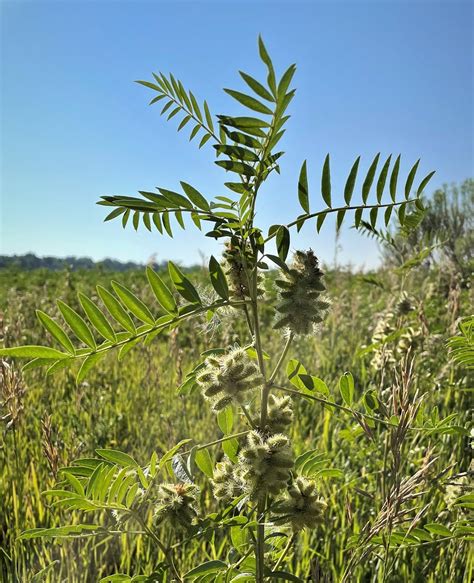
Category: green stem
[218,441]
[281,359]
[291,540]
[260,547]
[305,218]
[260,542]
[353,412]
[166,551]
[247,415]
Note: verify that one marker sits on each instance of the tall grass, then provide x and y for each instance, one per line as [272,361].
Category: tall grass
[48,422]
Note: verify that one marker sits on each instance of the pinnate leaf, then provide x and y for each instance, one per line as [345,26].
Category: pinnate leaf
[162,293]
[134,304]
[32,351]
[249,101]
[182,284]
[346,387]
[97,318]
[303,196]
[56,331]
[195,196]
[369,178]
[218,279]
[350,183]
[326,182]
[77,324]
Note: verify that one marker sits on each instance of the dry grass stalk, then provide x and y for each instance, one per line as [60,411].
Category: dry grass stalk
[50,449]
[12,392]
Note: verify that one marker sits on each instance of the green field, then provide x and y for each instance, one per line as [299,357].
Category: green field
[389,329]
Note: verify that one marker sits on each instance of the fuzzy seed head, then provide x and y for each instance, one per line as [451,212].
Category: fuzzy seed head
[300,507]
[226,483]
[176,503]
[228,378]
[234,267]
[280,414]
[301,306]
[265,463]
[404,305]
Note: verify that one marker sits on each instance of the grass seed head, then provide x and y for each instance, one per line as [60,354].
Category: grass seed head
[12,392]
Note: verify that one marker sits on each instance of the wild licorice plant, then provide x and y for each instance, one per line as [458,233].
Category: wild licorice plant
[258,482]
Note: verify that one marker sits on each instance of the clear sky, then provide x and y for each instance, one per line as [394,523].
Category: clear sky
[390,76]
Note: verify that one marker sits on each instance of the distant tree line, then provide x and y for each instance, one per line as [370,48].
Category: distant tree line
[31,261]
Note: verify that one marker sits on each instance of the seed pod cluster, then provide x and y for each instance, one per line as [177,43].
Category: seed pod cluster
[301,305]
[265,463]
[301,507]
[176,504]
[228,378]
[226,482]
[410,340]
[280,414]
[389,352]
[235,262]
[404,305]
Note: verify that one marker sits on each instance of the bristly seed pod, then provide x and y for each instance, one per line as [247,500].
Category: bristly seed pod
[176,504]
[301,306]
[280,414]
[265,463]
[226,482]
[404,305]
[301,507]
[228,378]
[236,262]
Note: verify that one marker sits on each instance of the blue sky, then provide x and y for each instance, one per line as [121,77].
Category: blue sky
[388,76]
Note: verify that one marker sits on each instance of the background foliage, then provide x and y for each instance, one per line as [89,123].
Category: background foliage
[133,406]
[380,395]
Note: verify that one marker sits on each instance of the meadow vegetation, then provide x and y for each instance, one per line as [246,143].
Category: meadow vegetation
[270,417]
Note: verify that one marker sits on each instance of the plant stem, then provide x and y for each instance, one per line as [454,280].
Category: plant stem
[260,547]
[260,542]
[247,415]
[166,551]
[305,218]
[343,408]
[291,540]
[218,441]
[281,359]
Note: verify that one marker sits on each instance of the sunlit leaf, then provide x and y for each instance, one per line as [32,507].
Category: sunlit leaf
[218,278]
[97,318]
[162,293]
[77,324]
[182,284]
[134,304]
[303,188]
[56,331]
[326,182]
